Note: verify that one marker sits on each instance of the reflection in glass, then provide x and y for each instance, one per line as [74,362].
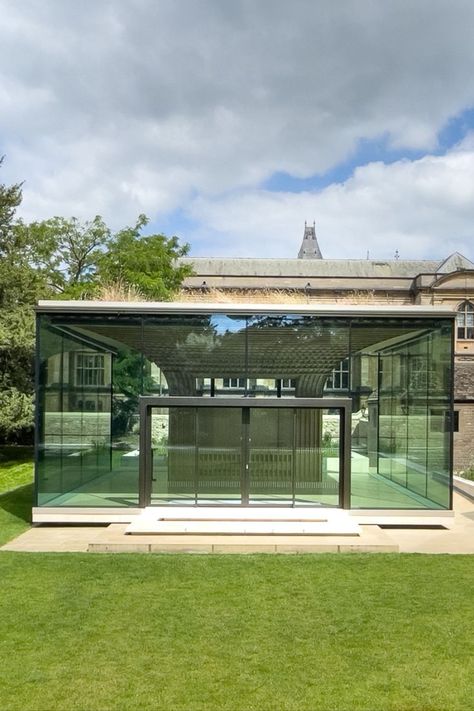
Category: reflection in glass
[94,367]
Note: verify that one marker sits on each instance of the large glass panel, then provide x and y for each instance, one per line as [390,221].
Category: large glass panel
[88,412]
[317,457]
[173,455]
[197,455]
[405,399]
[438,441]
[269,476]
[293,456]
[219,455]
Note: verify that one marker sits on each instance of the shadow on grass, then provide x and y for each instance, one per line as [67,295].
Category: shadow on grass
[15,453]
[18,502]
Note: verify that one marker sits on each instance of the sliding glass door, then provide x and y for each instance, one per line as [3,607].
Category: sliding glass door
[242,455]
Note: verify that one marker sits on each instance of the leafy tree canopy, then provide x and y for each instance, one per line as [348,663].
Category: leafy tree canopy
[146,262]
[10,199]
[65,251]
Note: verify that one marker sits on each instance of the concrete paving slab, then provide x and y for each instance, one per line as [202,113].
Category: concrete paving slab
[54,538]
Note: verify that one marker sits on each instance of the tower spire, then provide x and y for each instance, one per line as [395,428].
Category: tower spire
[309,247]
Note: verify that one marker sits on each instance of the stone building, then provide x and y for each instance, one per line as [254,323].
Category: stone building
[310,278]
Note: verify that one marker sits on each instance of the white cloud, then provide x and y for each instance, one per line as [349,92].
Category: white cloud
[124,106]
[423,208]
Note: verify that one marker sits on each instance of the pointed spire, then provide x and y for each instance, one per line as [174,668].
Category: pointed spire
[309,247]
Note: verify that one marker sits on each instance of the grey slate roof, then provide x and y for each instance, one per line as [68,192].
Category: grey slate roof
[402,268]
[453,262]
[310,267]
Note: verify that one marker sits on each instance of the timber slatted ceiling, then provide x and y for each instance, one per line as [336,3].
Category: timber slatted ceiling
[289,350]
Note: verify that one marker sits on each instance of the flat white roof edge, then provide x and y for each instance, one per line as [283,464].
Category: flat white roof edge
[46,306]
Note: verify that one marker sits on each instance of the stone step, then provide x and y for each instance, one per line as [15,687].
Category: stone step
[242,513]
[146,525]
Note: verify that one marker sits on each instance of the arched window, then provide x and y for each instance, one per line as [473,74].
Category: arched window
[465,320]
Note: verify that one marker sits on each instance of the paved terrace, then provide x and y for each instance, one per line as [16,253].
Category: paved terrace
[459,538]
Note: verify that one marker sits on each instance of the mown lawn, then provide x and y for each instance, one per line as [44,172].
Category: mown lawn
[123,632]
[16,491]
[329,632]
[16,467]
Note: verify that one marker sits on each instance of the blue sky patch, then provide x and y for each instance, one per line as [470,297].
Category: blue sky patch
[371,151]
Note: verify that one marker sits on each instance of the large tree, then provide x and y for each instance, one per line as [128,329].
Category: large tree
[65,252]
[147,262]
[20,285]
[75,259]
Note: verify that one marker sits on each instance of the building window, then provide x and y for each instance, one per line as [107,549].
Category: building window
[90,370]
[233,383]
[89,406]
[288,383]
[418,373]
[465,321]
[339,378]
[456,421]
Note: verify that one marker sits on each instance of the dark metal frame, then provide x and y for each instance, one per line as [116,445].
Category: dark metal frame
[344,405]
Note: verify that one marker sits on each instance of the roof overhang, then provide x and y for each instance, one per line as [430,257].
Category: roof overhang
[241,308]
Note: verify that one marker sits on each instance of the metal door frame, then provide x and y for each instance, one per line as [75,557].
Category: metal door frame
[147,402]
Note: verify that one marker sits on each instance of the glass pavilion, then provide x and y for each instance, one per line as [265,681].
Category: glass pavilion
[144,404]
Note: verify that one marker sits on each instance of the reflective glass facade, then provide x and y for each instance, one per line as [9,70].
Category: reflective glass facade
[94,365]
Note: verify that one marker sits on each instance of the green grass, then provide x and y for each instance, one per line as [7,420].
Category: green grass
[329,632]
[467,473]
[15,513]
[16,491]
[85,632]
[16,467]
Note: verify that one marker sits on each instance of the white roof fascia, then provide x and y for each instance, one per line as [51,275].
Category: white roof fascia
[190,307]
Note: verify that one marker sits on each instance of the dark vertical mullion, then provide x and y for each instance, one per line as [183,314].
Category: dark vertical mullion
[427,410]
[350,393]
[142,355]
[245,468]
[39,409]
[391,416]
[450,384]
[293,462]
[112,367]
[278,386]
[345,455]
[407,415]
[196,454]
[379,383]
[144,459]
[349,375]
[246,356]
[61,404]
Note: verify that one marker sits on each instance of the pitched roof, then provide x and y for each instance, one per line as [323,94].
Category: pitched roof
[310,267]
[453,262]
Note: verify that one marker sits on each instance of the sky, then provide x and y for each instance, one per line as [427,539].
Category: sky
[230,123]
